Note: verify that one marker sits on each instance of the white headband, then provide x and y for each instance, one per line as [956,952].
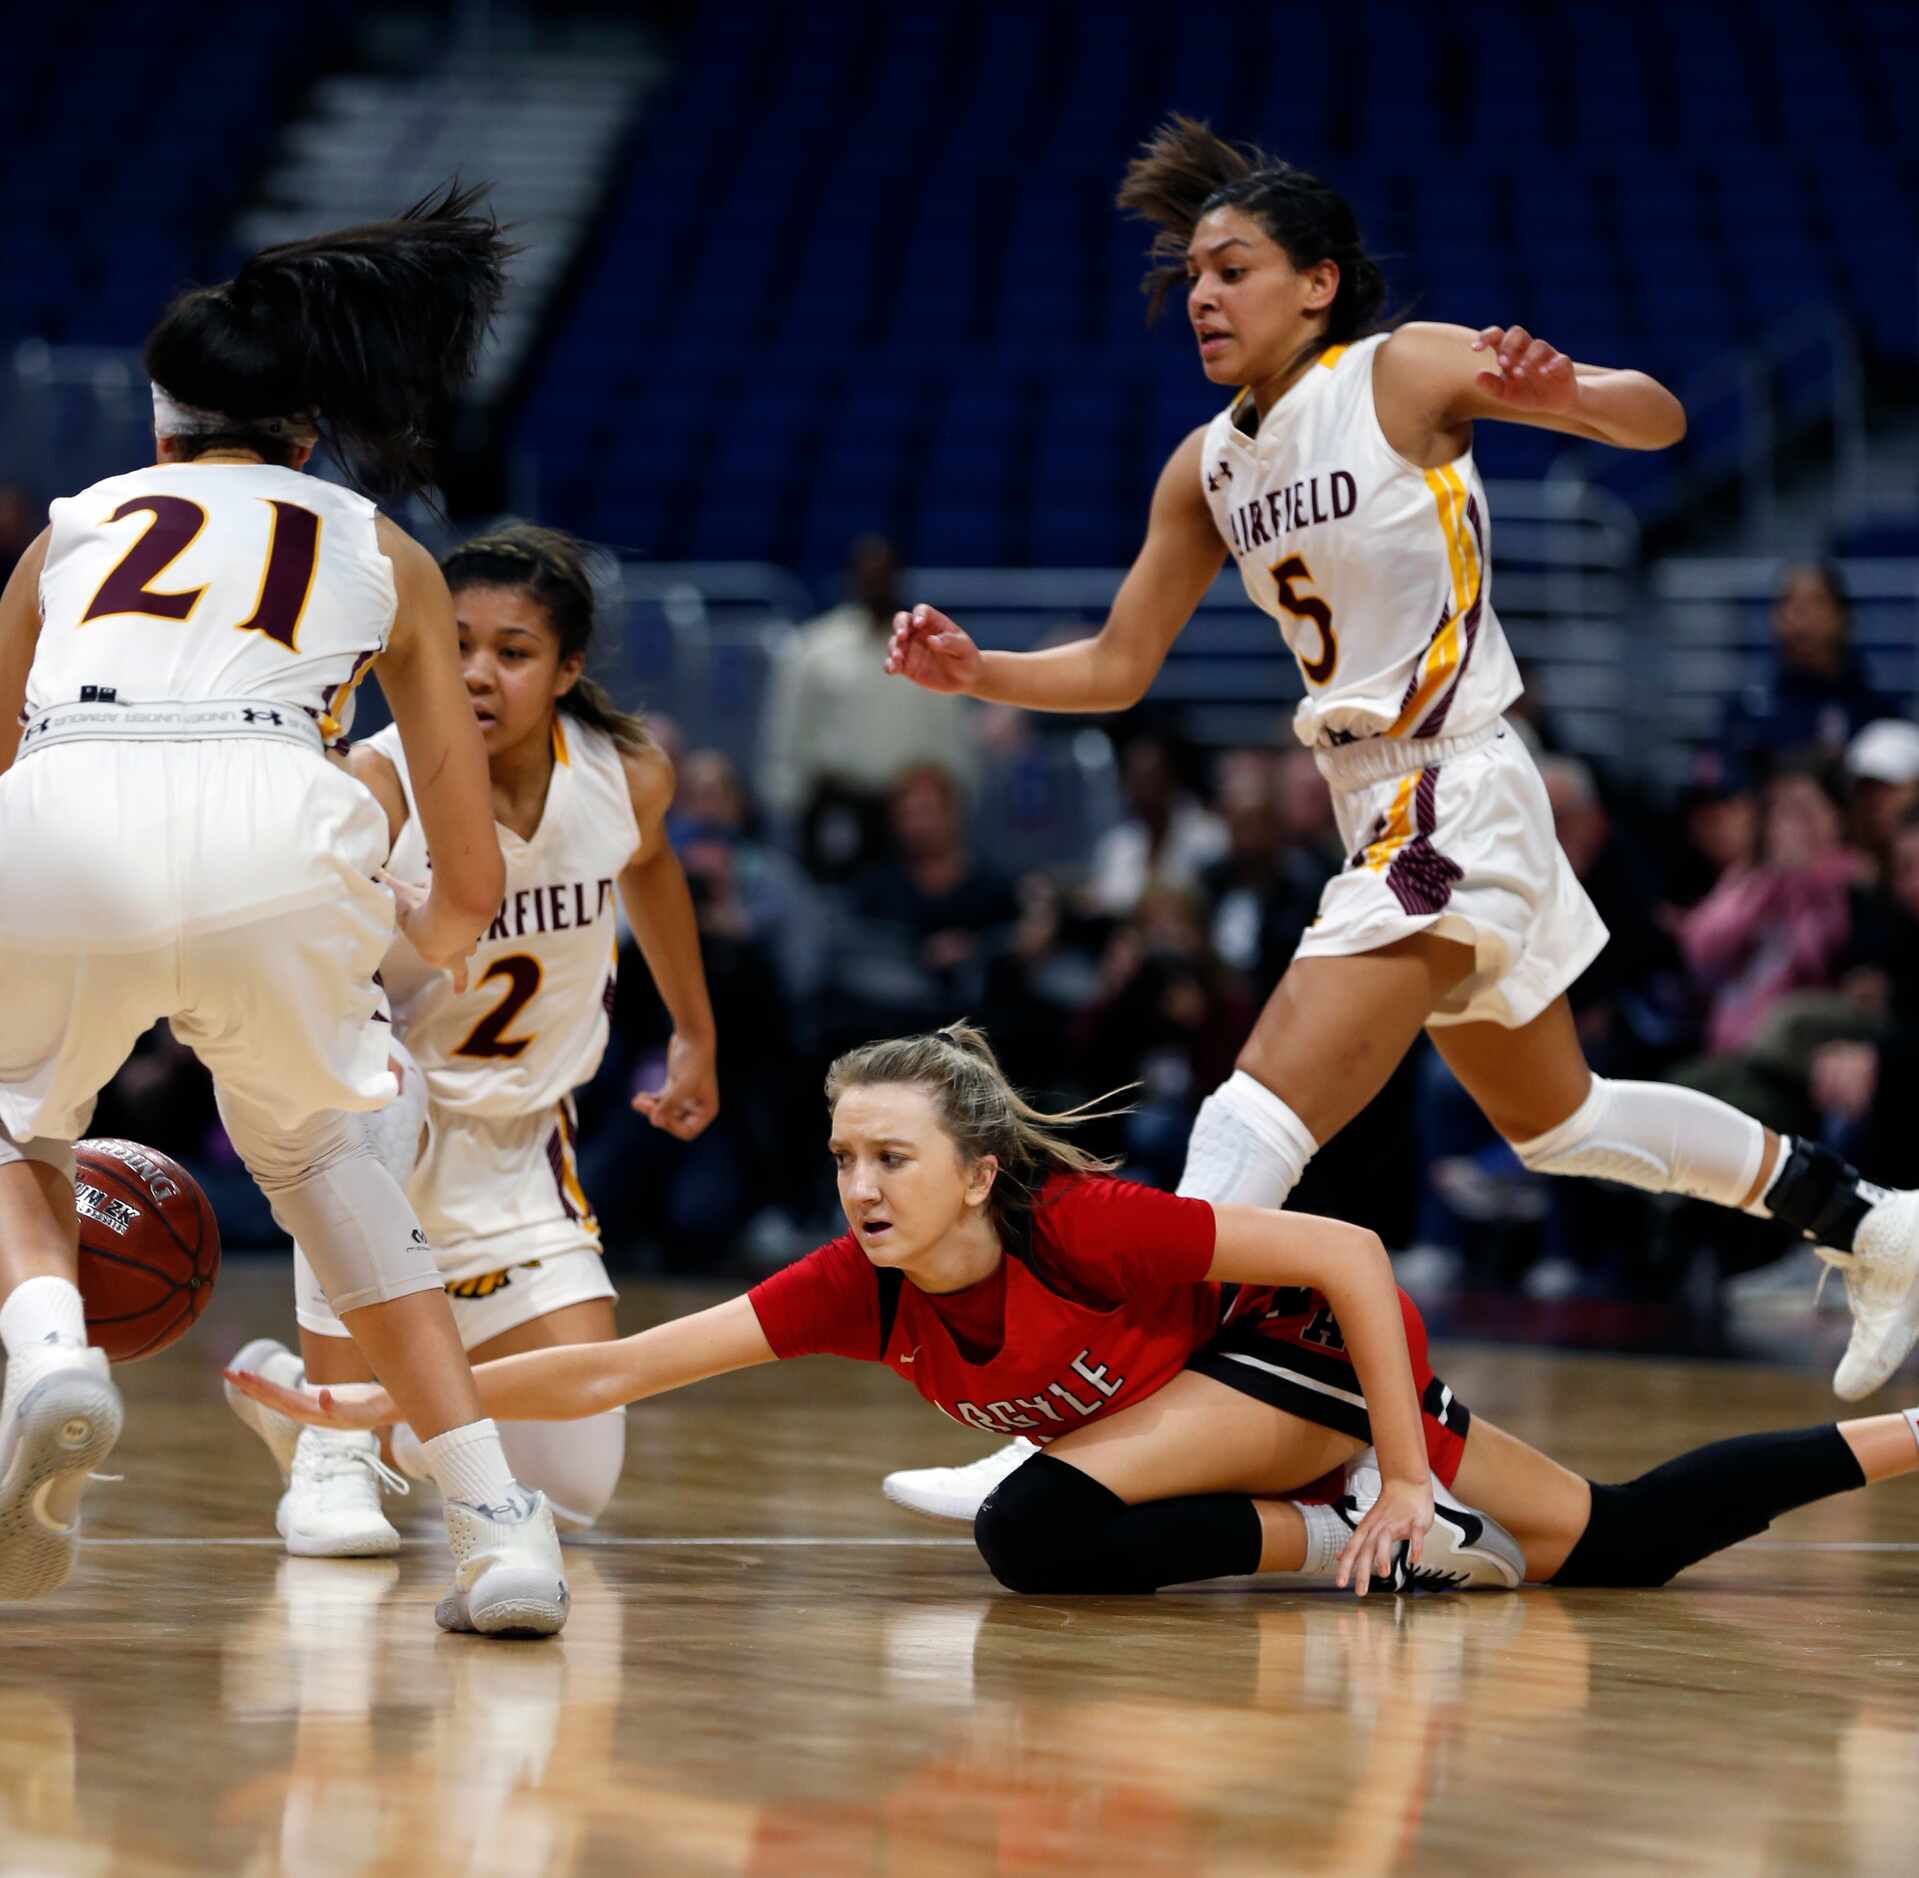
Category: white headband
[171,418]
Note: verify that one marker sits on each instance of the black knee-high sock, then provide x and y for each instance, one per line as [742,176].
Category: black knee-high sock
[1048,1528]
[1644,1531]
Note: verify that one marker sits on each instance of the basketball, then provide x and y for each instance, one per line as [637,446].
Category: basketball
[149,1247]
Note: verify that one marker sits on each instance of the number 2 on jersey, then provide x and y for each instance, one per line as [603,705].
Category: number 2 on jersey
[488,1037]
[286,582]
[1311,607]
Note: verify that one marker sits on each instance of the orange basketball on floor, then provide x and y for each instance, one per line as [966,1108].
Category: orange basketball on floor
[149,1247]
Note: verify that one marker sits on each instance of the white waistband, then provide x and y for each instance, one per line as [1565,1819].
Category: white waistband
[173,721]
[1351,765]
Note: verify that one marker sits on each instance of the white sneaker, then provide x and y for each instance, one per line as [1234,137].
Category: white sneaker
[1882,1286]
[273,1360]
[331,1508]
[1466,1549]
[508,1580]
[67,1420]
[956,1492]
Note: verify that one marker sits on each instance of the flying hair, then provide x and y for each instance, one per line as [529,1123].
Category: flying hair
[1184,171]
[368,334]
[983,1113]
[551,569]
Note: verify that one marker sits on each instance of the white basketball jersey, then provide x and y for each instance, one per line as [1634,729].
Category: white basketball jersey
[212,580]
[532,1022]
[1378,572]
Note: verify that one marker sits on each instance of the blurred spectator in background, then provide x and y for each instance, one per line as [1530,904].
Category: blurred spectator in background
[22,516]
[839,731]
[1167,1014]
[1865,1086]
[1776,927]
[1816,696]
[1168,839]
[1717,829]
[747,888]
[1883,763]
[916,930]
[1306,806]
[1265,889]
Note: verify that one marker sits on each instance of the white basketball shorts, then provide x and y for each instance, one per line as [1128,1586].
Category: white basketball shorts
[484,1307]
[1454,836]
[228,885]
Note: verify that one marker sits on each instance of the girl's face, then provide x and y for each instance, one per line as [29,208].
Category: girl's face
[1251,308]
[510,656]
[903,1184]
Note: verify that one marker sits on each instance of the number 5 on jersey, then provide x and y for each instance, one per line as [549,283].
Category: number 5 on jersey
[286,581]
[1308,606]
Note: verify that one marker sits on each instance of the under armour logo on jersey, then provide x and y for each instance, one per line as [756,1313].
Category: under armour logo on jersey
[251,716]
[1223,474]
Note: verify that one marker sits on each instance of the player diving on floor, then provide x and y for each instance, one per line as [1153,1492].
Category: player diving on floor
[1216,1389]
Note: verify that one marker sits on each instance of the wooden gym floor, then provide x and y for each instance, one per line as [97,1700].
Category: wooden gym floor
[770,1669]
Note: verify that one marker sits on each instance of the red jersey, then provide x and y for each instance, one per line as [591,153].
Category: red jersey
[1105,1309]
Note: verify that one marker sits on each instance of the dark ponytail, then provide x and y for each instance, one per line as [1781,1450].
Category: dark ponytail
[1183,171]
[550,569]
[367,334]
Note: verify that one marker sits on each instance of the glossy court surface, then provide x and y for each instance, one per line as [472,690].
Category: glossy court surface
[770,1669]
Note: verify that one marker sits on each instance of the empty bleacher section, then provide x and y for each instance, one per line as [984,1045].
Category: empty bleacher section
[865,271]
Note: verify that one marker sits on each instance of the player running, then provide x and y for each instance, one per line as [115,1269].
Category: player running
[484,1130]
[180,644]
[1189,1368]
[1341,482]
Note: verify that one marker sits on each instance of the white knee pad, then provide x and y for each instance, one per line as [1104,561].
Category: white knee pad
[577,1465]
[1247,1147]
[335,1201]
[1655,1137]
[397,1135]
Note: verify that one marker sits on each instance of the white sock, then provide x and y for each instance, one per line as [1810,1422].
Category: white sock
[42,1319]
[1247,1147]
[469,1464]
[409,1452]
[1326,1537]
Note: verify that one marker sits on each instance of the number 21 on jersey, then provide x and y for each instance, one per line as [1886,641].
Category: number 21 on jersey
[286,580]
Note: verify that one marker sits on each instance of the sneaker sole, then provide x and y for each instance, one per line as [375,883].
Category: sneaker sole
[67,1425]
[349,1545]
[505,1617]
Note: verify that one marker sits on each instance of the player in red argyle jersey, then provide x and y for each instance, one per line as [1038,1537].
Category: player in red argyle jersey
[1193,1371]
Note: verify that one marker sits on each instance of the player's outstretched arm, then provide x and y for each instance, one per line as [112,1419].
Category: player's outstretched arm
[659,908]
[1347,1265]
[1112,670]
[1432,380]
[420,673]
[557,1385]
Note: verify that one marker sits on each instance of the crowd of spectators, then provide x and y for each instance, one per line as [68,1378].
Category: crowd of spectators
[870,880]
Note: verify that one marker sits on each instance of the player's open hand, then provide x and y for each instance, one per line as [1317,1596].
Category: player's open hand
[690,1097]
[329,1405]
[1532,374]
[1403,1513]
[932,651]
